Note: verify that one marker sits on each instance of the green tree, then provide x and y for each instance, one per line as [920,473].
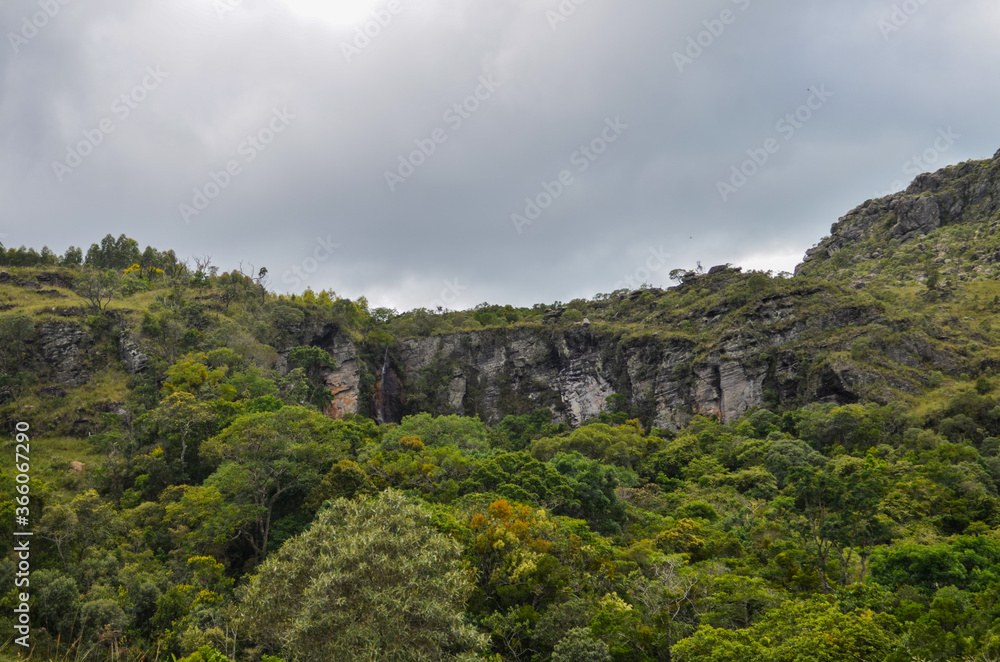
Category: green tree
[737,602]
[80,526]
[114,254]
[201,520]
[665,600]
[469,434]
[192,374]
[579,645]
[234,286]
[205,654]
[345,480]
[264,457]
[16,331]
[99,288]
[799,630]
[594,485]
[180,419]
[838,512]
[57,601]
[317,364]
[625,445]
[104,619]
[786,454]
[967,562]
[933,278]
[520,477]
[521,430]
[73,257]
[370,580]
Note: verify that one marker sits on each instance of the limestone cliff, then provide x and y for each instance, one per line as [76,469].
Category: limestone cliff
[572,369]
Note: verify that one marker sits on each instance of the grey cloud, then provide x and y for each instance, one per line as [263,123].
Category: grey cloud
[325,175]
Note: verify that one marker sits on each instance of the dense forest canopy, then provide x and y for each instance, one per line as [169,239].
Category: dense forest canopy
[191,495]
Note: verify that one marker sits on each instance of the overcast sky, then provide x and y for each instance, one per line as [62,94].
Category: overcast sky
[323,141]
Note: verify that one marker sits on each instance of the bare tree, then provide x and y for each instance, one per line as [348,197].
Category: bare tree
[98,287]
[259,281]
[205,266]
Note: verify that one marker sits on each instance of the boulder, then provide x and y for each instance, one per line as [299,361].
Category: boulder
[131,356]
[916,216]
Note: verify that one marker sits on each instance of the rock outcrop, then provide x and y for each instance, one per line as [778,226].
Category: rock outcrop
[43,279]
[389,398]
[964,193]
[344,382]
[63,346]
[496,373]
[573,369]
[131,356]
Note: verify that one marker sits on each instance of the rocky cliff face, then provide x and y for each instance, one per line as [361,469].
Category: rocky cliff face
[389,397]
[132,358]
[764,360]
[573,370]
[64,346]
[667,377]
[496,373]
[964,193]
[345,381]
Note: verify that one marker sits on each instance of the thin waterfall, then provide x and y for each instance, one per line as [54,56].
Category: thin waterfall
[380,389]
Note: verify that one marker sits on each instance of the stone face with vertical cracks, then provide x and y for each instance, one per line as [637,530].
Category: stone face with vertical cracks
[664,376]
[344,382]
[571,371]
[63,345]
[131,356]
[917,216]
[496,373]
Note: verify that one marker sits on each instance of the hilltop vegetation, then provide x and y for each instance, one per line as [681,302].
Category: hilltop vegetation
[190,496]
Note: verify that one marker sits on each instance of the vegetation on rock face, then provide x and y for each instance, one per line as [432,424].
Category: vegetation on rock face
[190,498]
